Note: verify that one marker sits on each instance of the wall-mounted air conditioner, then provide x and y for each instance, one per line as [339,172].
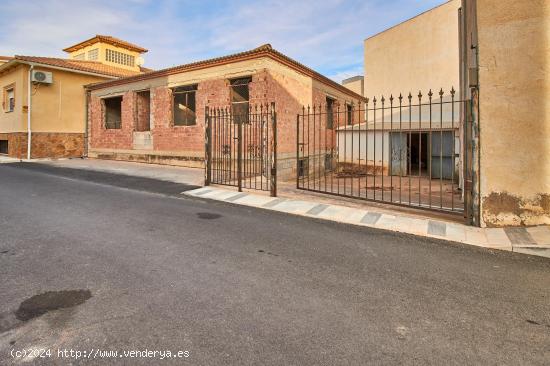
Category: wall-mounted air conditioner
[43,77]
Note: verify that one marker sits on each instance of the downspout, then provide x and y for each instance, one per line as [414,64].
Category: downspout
[29,108]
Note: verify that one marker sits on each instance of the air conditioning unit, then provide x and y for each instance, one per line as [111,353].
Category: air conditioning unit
[43,77]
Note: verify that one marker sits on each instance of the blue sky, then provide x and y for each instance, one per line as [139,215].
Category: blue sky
[326,35]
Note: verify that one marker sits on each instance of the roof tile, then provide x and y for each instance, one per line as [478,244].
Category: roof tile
[80,65]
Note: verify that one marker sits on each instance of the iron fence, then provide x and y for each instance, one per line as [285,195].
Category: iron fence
[241,147]
[404,150]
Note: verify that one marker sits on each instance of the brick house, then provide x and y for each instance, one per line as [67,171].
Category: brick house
[159,117]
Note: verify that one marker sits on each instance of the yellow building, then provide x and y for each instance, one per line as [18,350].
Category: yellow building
[43,99]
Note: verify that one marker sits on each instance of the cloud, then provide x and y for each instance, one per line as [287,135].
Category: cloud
[326,35]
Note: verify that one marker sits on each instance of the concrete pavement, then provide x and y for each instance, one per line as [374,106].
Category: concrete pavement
[237,285]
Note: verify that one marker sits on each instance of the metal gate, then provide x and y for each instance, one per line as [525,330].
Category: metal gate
[401,150]
[241,148]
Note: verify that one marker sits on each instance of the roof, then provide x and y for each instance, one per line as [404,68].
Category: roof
[106,39]
[6,58]
[352,79]
[263,51]
[94,67]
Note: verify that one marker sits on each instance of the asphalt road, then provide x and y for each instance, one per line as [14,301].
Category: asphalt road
[150,269]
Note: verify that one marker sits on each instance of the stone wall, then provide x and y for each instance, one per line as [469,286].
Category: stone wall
[45,145]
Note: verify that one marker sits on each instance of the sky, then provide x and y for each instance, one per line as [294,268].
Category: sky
[326,35]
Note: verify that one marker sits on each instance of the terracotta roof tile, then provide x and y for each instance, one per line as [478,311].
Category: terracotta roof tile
[106,39]
[79,65]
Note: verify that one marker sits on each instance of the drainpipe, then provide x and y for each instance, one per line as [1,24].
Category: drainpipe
[29,102]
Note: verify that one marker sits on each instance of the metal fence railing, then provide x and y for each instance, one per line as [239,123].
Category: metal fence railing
[401,150]
[241,147]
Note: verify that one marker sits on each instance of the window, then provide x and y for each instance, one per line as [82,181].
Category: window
[112,108]
[240,99]
[119,58]
[80,56]
[9,98]
[4,146]
[330,113]
[93,55]
[184,109]
[349,114]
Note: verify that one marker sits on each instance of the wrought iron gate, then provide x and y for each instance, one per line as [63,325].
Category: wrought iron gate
[401,150]
[241,148]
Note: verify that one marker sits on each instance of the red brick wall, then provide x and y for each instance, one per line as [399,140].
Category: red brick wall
[100,137]
[266,87]
[143,111]
[166,136]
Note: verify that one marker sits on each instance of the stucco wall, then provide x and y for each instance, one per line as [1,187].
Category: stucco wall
[514,110]
[102,53]
[14,121]
[355,84]
[419,54]
[61,106]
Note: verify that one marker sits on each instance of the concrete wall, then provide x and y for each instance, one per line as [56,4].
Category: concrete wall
[355,84]
[419,54]
[514,110]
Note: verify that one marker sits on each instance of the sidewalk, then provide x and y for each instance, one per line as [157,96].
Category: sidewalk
[190,176]
[6,159]
[533,240]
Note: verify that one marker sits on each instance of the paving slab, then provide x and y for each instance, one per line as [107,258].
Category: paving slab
[540,234]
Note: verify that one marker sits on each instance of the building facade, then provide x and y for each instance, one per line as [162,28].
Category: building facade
[44,104]
[510,53]
[159,117]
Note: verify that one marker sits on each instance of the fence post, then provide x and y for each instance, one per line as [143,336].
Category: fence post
[273,176]
[240,148]
[207,147]
[297,150]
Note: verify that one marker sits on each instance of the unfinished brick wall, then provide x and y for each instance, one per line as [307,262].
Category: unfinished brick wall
[189,139]
[185,144]
[143,111]
[103,138]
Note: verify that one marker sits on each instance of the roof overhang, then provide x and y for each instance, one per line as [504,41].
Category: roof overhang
[105,39]
[15,62]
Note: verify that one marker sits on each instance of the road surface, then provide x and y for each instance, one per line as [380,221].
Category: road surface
[92,262]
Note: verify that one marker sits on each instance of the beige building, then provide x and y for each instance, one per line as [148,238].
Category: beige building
[355,84]
[512,48]
[419,54]
[43,98]
[495,53]
[420,140]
